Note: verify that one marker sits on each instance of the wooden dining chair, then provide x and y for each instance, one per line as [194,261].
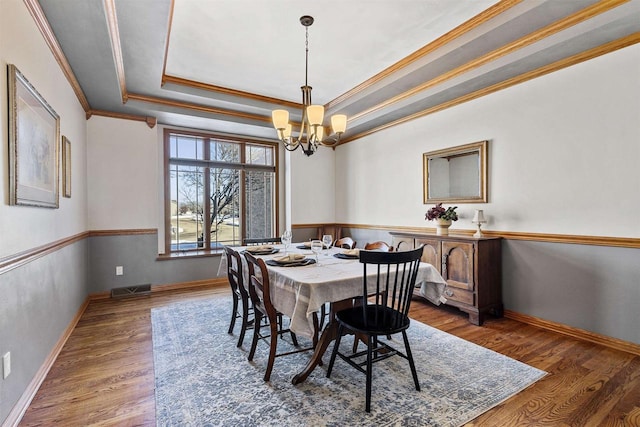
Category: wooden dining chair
[345,243]
[259,291]
[332,229]
[242,306]
[262,241]
[378,246]
[386,313]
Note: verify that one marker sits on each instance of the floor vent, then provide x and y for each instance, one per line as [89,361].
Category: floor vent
[131,291]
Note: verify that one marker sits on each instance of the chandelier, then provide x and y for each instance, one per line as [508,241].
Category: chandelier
[311,129]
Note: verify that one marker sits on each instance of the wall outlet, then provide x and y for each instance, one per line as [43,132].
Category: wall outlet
[119,270]
[6,365]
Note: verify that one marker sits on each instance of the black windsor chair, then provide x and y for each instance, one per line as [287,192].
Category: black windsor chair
[384,309]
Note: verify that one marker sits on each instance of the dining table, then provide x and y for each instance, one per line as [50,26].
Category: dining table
[300,289]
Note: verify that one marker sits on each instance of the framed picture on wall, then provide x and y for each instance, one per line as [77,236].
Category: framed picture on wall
[34,147]
[66,167]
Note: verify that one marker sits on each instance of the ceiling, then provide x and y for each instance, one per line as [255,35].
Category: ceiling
[223,65]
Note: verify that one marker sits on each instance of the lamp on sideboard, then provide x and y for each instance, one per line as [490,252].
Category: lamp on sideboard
[478,218]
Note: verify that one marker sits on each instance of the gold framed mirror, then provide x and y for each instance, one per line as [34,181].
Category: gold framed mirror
[456,174]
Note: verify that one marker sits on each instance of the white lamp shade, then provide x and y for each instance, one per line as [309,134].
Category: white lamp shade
[319,133]
[478,217]
[315,114]
[339,123]
[280,119]
[287,131]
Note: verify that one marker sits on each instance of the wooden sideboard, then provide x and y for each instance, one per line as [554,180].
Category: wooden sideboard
[471,266]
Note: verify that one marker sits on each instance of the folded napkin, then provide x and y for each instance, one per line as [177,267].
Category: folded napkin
[352,252]
[290,258]
[261,248]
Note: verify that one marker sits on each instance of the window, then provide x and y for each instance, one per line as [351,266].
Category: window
[217,190]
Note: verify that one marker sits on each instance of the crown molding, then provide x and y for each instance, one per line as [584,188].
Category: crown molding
[47,33]
[150,121]
[116,46]
[555,66]
[496,54]
[228,91]
[495,10]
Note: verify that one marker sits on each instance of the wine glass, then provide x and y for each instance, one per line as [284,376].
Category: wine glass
[327,239]
[286,240]
[316,248]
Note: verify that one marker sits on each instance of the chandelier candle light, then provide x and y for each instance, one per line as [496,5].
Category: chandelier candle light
[311,129]
[478,218]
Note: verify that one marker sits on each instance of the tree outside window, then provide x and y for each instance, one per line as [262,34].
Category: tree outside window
[218,191]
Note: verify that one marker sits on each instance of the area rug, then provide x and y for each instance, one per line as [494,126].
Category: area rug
[203,379]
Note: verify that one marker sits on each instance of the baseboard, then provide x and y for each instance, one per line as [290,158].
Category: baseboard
[16,414]
[214,283]
[580,334]
[217,282]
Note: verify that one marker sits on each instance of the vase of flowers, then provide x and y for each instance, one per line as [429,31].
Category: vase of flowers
[443,218]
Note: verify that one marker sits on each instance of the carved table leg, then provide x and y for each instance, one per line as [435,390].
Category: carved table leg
[329,334]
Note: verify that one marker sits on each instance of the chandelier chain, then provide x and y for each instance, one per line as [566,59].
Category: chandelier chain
[306,57]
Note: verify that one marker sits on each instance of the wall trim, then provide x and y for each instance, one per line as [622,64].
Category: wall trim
[620,242]
[581,334]
[21,258]
[19,409]
[125,232]
[10,262]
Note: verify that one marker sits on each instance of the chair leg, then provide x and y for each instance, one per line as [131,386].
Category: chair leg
[234,313]
[294,339]
[256,334]
[370,341]
[407,349]
[334,353]
[272,352]
[245,322]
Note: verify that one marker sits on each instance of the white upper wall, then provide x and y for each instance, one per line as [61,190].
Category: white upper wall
[123,179]
[564,156]
[22,227]
[313,186]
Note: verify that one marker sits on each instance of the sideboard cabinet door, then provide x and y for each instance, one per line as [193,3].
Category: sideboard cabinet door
[458,264]
[431,252]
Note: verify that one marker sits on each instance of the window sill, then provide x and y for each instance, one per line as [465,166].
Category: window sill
[189,254]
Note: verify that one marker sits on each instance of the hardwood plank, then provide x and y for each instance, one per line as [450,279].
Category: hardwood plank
[104,373]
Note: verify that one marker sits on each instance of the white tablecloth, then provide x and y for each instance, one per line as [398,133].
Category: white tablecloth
[298,292]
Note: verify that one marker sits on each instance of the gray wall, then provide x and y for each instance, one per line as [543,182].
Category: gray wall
[38,301]
[138,255]
[595,288]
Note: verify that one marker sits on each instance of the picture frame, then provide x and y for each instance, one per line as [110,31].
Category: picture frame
[34,145]
[66,167]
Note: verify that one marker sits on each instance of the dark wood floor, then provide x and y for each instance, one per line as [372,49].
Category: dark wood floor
[104,374]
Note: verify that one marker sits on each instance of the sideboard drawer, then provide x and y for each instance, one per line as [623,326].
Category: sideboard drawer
[459,295]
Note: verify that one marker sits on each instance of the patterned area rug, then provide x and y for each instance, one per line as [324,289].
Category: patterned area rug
[203,379]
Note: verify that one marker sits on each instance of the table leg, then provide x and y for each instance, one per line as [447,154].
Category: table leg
[329,334]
